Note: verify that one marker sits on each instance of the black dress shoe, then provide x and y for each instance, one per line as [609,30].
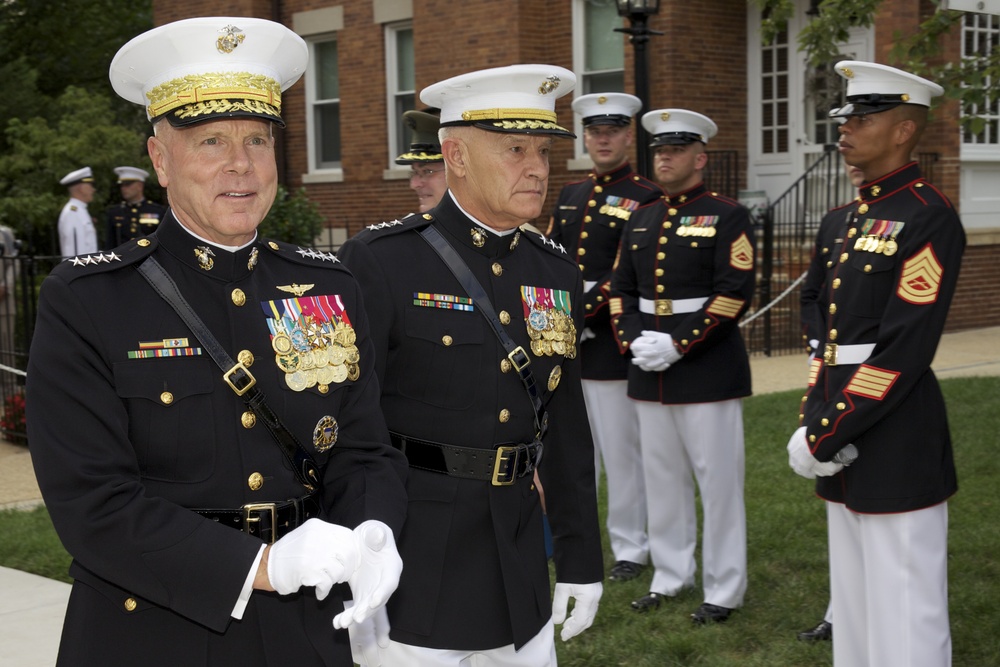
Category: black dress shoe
[624,570]
[821,633]
[648,602]
[710,613]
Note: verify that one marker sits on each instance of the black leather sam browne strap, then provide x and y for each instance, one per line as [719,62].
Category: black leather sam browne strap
[235,375]
[515,353]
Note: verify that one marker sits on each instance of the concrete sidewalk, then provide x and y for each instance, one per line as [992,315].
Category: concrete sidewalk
[32,607]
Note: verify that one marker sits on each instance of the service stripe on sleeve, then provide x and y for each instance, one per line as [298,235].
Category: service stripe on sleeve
[871,382]
[725,306]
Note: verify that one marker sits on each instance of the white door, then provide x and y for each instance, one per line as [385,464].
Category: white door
[788,101]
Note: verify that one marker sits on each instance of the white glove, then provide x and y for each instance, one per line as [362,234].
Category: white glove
[586,597]
[369,637]
[654,348]
[803,462]
[317,554]
[377,573]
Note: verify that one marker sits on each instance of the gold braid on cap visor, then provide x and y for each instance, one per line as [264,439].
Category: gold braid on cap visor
[515,119]
[216,92]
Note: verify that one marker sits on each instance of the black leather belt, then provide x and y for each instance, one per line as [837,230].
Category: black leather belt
[500,466]
[268,521]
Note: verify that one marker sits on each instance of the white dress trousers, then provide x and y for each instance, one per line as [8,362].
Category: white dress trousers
[614,424]
[682,444]
[889,575]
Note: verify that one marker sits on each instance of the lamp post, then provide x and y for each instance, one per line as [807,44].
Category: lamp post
[638,13]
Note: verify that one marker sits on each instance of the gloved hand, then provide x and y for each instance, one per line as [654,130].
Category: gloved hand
[377,573]
[654,351]
[803,462]
[369,637]
[586,597]
[317,554]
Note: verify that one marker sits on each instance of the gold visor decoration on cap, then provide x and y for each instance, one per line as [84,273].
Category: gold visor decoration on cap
[216,86]
[509,114]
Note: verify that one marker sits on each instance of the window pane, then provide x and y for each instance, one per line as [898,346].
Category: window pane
[604,82]
[405,134]
[604,48]
[327,78]
[404,60]
[328,134]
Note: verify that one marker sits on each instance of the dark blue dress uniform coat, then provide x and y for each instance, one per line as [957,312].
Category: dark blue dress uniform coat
[475,574]
[125,446]
[589,218]
[689,245]
[812,297]
[890,282]
[127,221]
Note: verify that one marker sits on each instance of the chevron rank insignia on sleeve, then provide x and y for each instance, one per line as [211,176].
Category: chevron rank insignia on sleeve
[920,280]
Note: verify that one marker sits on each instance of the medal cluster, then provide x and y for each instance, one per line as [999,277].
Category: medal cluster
[879,237]
[552,332]
[316,354]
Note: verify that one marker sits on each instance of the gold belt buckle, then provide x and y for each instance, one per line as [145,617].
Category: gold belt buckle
[664,307]
[257,507]
[505,455]
[228,378]
[830,354]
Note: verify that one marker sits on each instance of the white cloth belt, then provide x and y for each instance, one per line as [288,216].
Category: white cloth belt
[845,355]
[671,306]
[588,285]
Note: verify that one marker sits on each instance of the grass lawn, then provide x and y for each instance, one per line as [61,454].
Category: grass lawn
[787,556]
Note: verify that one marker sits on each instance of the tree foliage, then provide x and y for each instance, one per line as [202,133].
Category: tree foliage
[974,80]
[293,218]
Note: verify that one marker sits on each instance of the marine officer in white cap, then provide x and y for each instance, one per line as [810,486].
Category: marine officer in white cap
[211,506]
[685,278]
[874,428]
[135,215]
[588,220]
[424,158]
[77,235]
[476,325]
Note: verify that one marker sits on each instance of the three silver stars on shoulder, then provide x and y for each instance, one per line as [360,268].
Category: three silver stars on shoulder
[550,242]
[86,260]
[383,225]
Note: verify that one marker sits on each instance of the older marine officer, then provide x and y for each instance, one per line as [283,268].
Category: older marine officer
[475,322]
[211,505]
[424,158]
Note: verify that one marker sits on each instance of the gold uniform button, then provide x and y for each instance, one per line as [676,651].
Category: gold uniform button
[581,252]
[667,225]
[663,239]
[852,232]
[255,481]
[167,398]
[589,306]
[504,416]
[587,218]
[323,388]
[245,357]
[696,332]
[497,269]
[863,208]
[504,317]
[843,257]
[272,245]
[833,335]
[598,189]
[824,421]
[829,264]
[592,202]
[239,298]
[836,283]
[672,211]
[659,272]
[635,247]
[868,268]
[505,365]
[708,321]
[582,267]
[684,341]
[600,298]
[142,243]
[841,406]
[660,288]
[447,340]
[248,419]
[694,244]
[661,255]
[584,235]
[833,309]
[130,604]
[812,438]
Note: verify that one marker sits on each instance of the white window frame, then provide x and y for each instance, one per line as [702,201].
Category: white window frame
[392,92]
[315,173]
[581,161]
[982,27]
